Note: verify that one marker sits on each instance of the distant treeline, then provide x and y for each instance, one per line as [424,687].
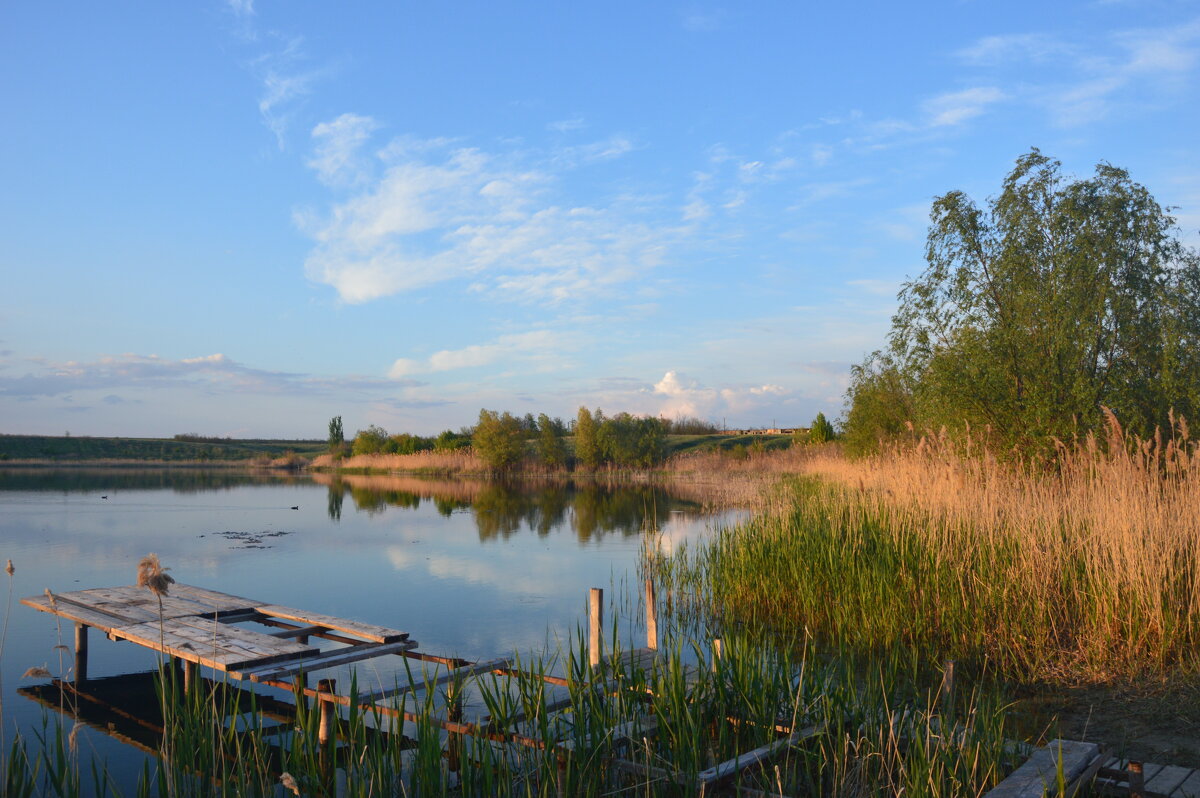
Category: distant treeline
[589,441]
[187,447]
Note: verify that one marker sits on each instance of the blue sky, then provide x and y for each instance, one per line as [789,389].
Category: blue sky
[243,218]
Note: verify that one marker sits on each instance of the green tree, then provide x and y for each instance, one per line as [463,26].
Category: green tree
[369,441]
[1058,299]
[587,444]
[552,450]
[820,431]
[499,439]
[337,440]
[450,441]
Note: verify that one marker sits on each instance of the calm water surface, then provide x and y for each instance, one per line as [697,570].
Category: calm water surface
[469,569]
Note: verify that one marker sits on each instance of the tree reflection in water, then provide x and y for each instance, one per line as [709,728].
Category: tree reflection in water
[501,509]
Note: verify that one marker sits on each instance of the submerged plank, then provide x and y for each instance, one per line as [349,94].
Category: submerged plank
[378,634]
[1190,787]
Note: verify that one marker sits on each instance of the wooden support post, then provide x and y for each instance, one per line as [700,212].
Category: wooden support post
[718,650]
[651,617]
[595,625]
[81,652]
[947,693]
[454,714]
[328,709]
[1137,784]
[191,674]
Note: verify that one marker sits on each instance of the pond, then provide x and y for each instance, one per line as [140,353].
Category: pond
[470,569]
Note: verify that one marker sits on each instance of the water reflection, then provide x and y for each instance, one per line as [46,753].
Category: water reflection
[102,480]
[590,510]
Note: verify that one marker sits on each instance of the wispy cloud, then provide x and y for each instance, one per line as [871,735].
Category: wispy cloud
[210,373]
[1084,81]
[535,345]
[1025,47]
[440,212]
[956,107]
[337,145]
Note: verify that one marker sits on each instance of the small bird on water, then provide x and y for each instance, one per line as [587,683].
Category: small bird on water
[296,507]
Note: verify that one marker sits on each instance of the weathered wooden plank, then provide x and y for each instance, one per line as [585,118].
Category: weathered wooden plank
[731,767]
[329,659]
[100,620]
[218,646]
[1166,781]
[220,602]
[1040,772]
[378,634]
[1190,787]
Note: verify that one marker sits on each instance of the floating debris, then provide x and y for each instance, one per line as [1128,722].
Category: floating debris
[250,540]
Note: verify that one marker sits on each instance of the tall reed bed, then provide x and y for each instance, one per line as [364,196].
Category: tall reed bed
[1081,568]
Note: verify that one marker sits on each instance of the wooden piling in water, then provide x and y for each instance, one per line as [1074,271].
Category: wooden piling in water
[718,650]
[328,709]
[1137,783]
[81,652]
[651,617]
[595,625]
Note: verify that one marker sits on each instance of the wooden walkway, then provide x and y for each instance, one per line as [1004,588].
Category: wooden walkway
[197,626]
[1074,768]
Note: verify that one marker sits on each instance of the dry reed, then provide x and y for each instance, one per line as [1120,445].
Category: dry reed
[1083,568]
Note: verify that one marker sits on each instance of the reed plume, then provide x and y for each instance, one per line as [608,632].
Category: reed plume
[152,575]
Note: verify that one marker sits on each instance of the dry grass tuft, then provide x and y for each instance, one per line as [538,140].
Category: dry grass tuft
[152,575]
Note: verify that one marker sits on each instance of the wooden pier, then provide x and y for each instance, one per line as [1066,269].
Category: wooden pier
[196,627]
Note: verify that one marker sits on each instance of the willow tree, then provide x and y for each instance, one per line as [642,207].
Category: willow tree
[1057,299]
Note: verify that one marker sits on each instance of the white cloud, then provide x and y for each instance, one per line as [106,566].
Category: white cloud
[685,397]
[438,213]
[338,143]
[524,346]
[954,108]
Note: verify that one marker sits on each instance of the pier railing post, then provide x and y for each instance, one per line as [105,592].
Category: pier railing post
[718,650]
[651,617]
[81,652]
[595,625]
